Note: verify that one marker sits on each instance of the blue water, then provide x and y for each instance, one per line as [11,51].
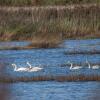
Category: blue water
[51,60]
[56,91]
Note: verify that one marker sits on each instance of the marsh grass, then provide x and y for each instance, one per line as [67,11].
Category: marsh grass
[49,25]
[82,52]
[70,78]
[44,2]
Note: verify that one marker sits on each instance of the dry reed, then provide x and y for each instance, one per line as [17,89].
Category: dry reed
[43,2]
[82,52]
[40,24]
[70,78]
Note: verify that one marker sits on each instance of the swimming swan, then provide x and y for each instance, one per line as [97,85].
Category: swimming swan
[30,66]
[22,69]
[33,69]
[74,67]
[93,67]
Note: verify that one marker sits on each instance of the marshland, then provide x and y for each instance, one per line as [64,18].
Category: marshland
[49,34]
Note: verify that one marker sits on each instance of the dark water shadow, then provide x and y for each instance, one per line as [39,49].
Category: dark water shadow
[4,87]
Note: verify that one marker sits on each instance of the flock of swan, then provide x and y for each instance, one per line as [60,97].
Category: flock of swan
[35,69]
[72,67]
[28,69]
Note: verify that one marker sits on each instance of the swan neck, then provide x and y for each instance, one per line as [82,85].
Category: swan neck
[71,66]
[29,65]
[89,65]
[15,67]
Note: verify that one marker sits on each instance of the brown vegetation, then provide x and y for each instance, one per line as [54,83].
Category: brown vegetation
[82,52]
[25,23]
[44,2]
[71,78]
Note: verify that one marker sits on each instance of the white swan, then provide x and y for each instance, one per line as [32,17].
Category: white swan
[74,67]
[33,69]
[30,66]
[93,67]
[22,69]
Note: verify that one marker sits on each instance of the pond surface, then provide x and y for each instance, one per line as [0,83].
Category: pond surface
[51,60]
[56,91]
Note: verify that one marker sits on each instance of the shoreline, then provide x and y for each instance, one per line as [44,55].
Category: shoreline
[46,45]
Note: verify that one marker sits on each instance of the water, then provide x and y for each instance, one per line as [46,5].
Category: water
[56,91]
[51,60]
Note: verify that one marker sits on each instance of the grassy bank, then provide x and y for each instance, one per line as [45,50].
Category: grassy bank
[49,24]
[71,78]
[82,52]
[43,2]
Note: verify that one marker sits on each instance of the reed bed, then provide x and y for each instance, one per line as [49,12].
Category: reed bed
[82,52]
[49,24]
[34,46]
[70,78]
[43,2]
